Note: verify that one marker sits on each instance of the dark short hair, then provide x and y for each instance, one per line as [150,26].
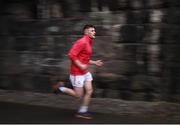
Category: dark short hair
[87,26]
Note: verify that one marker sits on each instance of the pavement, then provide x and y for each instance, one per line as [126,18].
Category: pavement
[48,108]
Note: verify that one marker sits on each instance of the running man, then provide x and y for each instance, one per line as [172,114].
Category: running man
[81,79]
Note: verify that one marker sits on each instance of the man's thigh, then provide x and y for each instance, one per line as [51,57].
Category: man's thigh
[88,85]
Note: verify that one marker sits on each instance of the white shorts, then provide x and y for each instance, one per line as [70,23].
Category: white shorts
[78,80]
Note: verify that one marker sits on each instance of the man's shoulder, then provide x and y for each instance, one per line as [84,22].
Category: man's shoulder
[80,41]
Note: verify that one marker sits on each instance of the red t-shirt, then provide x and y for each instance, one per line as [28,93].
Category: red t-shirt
[81,50]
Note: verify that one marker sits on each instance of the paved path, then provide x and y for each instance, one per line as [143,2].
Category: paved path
[14,113]
[33,107]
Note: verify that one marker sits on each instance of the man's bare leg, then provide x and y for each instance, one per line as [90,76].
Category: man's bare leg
[88,93]
[76,92]
[83,110]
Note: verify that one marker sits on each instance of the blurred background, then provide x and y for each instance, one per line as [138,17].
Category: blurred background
[136,39]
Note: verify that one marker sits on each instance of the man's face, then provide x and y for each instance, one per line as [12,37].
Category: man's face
[91,32]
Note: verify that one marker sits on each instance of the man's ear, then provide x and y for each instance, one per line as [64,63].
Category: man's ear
[85,31]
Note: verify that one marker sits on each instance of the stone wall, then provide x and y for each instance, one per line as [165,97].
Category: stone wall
[137,40]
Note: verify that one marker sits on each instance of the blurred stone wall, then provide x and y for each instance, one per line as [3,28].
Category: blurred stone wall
[138,40]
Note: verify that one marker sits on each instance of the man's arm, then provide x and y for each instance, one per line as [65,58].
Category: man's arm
[80,65]
[74,51]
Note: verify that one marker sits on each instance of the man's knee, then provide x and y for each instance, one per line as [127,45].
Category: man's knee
[78,95]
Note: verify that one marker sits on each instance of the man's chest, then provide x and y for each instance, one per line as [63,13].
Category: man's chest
[87,50]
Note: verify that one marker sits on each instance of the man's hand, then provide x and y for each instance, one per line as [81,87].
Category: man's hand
[97,62]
